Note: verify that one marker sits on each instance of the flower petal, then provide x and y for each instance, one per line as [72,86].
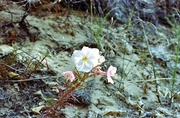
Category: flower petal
[85,59]
[76,56]
[101,59]
[111,72]
[110,80]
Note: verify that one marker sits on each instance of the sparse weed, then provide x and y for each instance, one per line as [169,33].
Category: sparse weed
[173,89]
[97,32]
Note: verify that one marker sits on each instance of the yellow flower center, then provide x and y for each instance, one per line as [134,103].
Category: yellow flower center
[85,59]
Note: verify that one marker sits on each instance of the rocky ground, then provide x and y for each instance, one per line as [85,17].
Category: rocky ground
[36,50]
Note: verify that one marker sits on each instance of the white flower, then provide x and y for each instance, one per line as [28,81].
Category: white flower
[86,59]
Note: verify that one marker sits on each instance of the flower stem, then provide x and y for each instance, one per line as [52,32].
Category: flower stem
[65,95]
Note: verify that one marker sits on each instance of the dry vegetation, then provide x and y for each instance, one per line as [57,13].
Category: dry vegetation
[37,39]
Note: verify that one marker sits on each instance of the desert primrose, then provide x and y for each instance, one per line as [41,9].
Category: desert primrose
[88,60]
[87,63]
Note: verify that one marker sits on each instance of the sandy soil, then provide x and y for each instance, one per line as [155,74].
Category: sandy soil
[31,68]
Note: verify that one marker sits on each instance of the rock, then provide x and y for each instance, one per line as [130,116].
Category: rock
[123,10]
[82,97]
[5,50]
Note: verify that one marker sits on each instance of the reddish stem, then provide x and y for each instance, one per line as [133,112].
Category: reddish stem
[60,102]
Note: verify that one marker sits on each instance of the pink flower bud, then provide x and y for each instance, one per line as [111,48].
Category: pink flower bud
[69,75]
[111,72]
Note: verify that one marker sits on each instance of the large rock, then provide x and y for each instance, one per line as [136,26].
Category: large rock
[122,10]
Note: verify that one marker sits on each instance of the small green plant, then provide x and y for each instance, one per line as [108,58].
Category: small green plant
[97,25]
[87,64]
[97,31]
